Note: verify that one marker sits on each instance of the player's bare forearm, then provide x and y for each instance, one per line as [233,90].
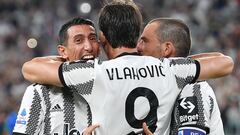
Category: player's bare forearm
[214,67]
[54,58]
[205,55]
[43,70]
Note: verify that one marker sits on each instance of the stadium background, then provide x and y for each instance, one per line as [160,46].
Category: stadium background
[214,25]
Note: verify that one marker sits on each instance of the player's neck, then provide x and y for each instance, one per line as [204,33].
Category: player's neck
[114,52]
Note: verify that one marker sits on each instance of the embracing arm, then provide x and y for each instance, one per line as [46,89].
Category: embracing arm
[214,65]
[43,70]
[204,55]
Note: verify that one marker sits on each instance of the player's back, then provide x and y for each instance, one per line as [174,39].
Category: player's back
[135,90]
[126,91]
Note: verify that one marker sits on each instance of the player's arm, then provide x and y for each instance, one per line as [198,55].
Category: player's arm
[215,66]
[43,70]
[200,111]
[203,68]
[204,55]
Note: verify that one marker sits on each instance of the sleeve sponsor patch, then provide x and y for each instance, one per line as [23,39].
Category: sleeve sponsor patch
[188,110]
[191,131]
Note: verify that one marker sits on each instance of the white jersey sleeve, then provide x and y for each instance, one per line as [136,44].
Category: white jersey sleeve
[78,76]
[186,70]
[29,121]
[196,111]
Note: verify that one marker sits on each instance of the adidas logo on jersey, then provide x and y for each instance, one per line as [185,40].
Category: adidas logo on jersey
[56,108]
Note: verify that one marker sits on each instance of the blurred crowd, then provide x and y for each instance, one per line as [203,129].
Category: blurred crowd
[214,25]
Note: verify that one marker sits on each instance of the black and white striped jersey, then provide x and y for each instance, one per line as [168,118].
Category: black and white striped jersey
[196,111]
[126,91]
[50,110]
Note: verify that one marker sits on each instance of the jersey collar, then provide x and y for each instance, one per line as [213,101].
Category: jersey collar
[126,53]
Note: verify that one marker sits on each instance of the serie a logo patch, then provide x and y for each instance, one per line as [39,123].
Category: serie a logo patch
[22,117]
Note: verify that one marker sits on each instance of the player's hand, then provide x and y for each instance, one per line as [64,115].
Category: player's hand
[90,129]
[146,130]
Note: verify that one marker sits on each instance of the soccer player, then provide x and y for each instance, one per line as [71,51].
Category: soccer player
[196,110]
[128,89]
[47,109]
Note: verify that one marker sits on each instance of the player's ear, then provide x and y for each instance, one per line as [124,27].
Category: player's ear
[102,38]
[62,51]
[169,49]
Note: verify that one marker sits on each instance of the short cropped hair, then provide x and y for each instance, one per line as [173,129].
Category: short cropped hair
[175,31]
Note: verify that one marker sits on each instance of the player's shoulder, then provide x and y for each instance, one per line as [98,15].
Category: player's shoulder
[200,87]
[205,88]
[32,89]
[34,86]
[71,65]
[180,61]
[203,83]
[150,59]
[37,87]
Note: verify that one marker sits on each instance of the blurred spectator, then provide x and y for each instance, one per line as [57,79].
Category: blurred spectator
[2,119]
[10,120]
[233,116]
